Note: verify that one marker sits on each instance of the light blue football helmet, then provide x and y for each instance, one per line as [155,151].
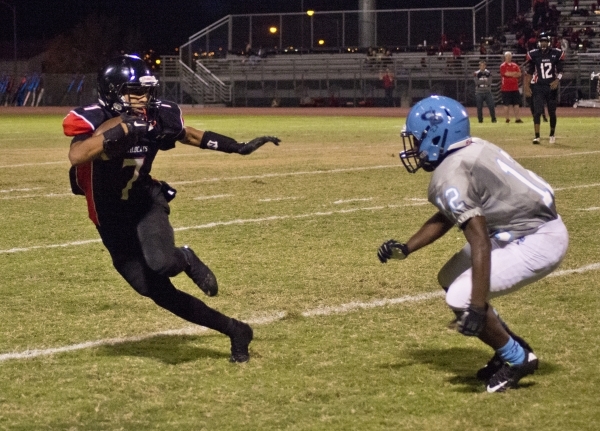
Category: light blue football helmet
[435,126]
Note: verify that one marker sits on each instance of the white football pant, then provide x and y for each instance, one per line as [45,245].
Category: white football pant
[514,264]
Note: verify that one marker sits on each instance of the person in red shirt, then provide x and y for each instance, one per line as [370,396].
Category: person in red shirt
[510,73]
[387,78]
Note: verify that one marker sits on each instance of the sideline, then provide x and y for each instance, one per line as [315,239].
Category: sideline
[261,320]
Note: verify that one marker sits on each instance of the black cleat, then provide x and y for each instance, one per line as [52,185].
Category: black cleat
[509,375]
[493,366]
[200,273]
[241,336]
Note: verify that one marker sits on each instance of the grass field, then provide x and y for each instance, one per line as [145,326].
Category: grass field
[341,341]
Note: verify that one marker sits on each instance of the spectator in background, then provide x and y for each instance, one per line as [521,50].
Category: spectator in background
[553,18]
[532,42]
[564,44]
[510,74]
[483,48]
[483,91]
[387,79]
[456,52]
[576,41]
[540,13]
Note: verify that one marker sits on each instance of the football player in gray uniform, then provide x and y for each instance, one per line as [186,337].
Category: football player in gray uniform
[508,216]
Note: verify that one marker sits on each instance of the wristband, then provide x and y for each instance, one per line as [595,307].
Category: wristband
[113,143]
[214,141]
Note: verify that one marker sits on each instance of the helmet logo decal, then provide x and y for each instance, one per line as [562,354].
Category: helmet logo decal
[433,117]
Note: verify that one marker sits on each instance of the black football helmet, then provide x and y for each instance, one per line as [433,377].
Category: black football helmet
[543,36]
[122,76]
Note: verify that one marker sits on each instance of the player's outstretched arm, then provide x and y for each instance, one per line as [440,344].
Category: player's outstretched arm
[433,229]
[215,141]
[256,143]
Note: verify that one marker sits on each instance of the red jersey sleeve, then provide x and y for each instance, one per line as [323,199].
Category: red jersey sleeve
[74,124]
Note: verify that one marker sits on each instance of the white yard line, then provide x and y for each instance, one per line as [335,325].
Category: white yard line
[583,186]
[541,156]
[259,320]
[19,190]
[285,198]
[223,223]
[35,164]
[285,174]
[205,198]
[345,201]
[48,195]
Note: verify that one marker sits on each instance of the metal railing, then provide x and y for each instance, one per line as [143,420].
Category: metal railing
[338,30]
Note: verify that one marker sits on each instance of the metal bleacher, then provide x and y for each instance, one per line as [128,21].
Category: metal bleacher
[348,77]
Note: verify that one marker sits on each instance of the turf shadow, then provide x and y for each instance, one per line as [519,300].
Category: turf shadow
[169,349]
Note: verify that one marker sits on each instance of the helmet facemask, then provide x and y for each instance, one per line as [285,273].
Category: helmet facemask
[410,156]
[137,98]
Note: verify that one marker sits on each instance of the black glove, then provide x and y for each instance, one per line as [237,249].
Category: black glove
[392,249]
[136,126]
[256,143]
[117,141]
[472,321]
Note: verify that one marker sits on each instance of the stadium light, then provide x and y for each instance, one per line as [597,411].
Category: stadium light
[310,12]
[321,42]
[273,30]
[14,11]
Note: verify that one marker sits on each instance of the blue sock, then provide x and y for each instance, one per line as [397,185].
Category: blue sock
[512,352]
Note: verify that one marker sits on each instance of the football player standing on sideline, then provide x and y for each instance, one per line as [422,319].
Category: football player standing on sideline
[545,67]
[508,216]
[114,145]
[510,74]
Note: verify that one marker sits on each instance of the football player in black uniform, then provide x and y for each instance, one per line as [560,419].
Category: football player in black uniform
[545,68]
[114,144]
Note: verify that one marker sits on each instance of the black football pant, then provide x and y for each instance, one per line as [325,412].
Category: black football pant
[543,95]
[143,251]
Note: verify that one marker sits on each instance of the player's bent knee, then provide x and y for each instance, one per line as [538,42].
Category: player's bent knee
[458,299]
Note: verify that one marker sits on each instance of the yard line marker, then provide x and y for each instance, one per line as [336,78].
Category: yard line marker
[292,217]
[34,164]
[345,201]
[540,156]
[351,306]
[288,198]
[226,223]
[589,209]
[19,190]
[286,174]
[204,198]
[547,156]
[582,186]
[258,320]
[48,195]
[581,270]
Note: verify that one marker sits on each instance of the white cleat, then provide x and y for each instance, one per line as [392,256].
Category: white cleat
[552,140]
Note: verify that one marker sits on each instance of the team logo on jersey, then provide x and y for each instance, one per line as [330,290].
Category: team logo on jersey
[213,145]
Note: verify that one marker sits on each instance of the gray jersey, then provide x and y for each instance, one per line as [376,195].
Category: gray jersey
[481,179]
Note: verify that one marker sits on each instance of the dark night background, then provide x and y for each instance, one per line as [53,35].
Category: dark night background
[160,25]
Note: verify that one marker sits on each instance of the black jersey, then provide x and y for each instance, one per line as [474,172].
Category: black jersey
[545,65]
[121,185]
